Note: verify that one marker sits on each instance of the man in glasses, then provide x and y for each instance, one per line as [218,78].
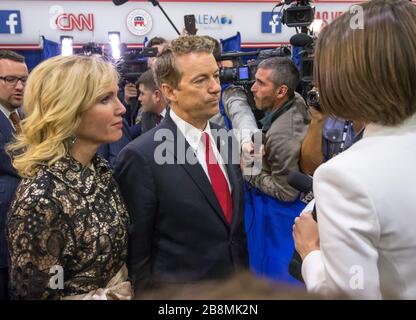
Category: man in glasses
[13,76]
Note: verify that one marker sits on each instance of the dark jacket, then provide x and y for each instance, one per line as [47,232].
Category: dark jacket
[9,180]
[284,133]
[179,231]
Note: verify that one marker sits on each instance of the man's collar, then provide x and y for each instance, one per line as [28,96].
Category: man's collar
[268,119]
[191,133]
[163,113]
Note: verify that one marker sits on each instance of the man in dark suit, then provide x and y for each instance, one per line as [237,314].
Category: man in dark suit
[183,192]
[13,76]
[154,104]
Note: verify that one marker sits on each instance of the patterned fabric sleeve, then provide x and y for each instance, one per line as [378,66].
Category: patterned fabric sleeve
[39,239]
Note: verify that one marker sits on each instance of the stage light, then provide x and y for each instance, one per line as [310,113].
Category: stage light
[316,26]
[66,46]
[114,40]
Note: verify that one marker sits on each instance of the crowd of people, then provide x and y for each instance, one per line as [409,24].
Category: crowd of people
[102,200]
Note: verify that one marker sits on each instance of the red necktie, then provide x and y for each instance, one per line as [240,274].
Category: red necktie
[158,119]
[14,117]
[218,181]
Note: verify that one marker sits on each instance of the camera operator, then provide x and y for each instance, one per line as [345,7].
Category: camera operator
[135,65]
[156,42]
[235,110]
[326,136]
[284,125]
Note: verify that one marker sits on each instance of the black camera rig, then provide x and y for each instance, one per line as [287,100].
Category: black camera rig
[244,74]
[133,63]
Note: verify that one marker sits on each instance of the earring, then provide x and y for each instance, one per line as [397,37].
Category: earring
[71,140]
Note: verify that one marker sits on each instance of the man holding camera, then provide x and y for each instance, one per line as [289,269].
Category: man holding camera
[285,125]
[326,136]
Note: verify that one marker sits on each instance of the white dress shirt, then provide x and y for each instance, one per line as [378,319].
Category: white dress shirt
[194,137]
[163,113]
[366,210]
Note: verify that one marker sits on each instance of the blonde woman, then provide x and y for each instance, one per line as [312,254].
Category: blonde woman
[67,227]
[365,196]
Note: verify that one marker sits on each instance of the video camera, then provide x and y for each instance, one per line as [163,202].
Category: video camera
[90,49]
[299,14]
[244,74]
[133,63]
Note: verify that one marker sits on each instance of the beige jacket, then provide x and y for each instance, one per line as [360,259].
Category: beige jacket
[283,141]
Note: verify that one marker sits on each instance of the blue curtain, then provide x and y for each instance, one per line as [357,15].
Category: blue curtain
[269,224]
[50,49]
[231,44]
[32,57]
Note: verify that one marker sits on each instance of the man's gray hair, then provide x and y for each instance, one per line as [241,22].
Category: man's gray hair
[284,72]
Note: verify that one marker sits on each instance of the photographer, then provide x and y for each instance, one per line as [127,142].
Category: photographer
[156,42]
[326,136]
[284,125]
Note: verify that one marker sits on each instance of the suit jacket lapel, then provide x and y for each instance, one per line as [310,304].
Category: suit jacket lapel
[195,171]
[6,127]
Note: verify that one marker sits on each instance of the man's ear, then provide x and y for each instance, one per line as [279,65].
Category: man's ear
[281,91]
[157,94]
[169,92]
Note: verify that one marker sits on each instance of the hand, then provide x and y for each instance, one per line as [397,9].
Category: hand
[306,235]
[248,156]
[130,91]
[317,115]
[186,33]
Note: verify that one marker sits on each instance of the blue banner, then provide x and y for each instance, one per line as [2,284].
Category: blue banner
[10,22]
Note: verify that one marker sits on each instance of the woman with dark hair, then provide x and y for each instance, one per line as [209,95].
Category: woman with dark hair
[365,198]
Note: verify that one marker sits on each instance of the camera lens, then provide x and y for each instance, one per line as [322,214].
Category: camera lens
[312,99]
[301,17]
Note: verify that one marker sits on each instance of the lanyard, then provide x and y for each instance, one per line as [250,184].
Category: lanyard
[347,125]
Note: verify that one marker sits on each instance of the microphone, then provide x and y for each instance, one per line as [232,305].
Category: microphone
[119,2]
[301,40]
[300,181]
[303,183]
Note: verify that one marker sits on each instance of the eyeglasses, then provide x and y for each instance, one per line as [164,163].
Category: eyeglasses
[12,80]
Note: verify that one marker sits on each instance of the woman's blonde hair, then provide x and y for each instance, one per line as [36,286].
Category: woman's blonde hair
[369,74]
[57,93]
